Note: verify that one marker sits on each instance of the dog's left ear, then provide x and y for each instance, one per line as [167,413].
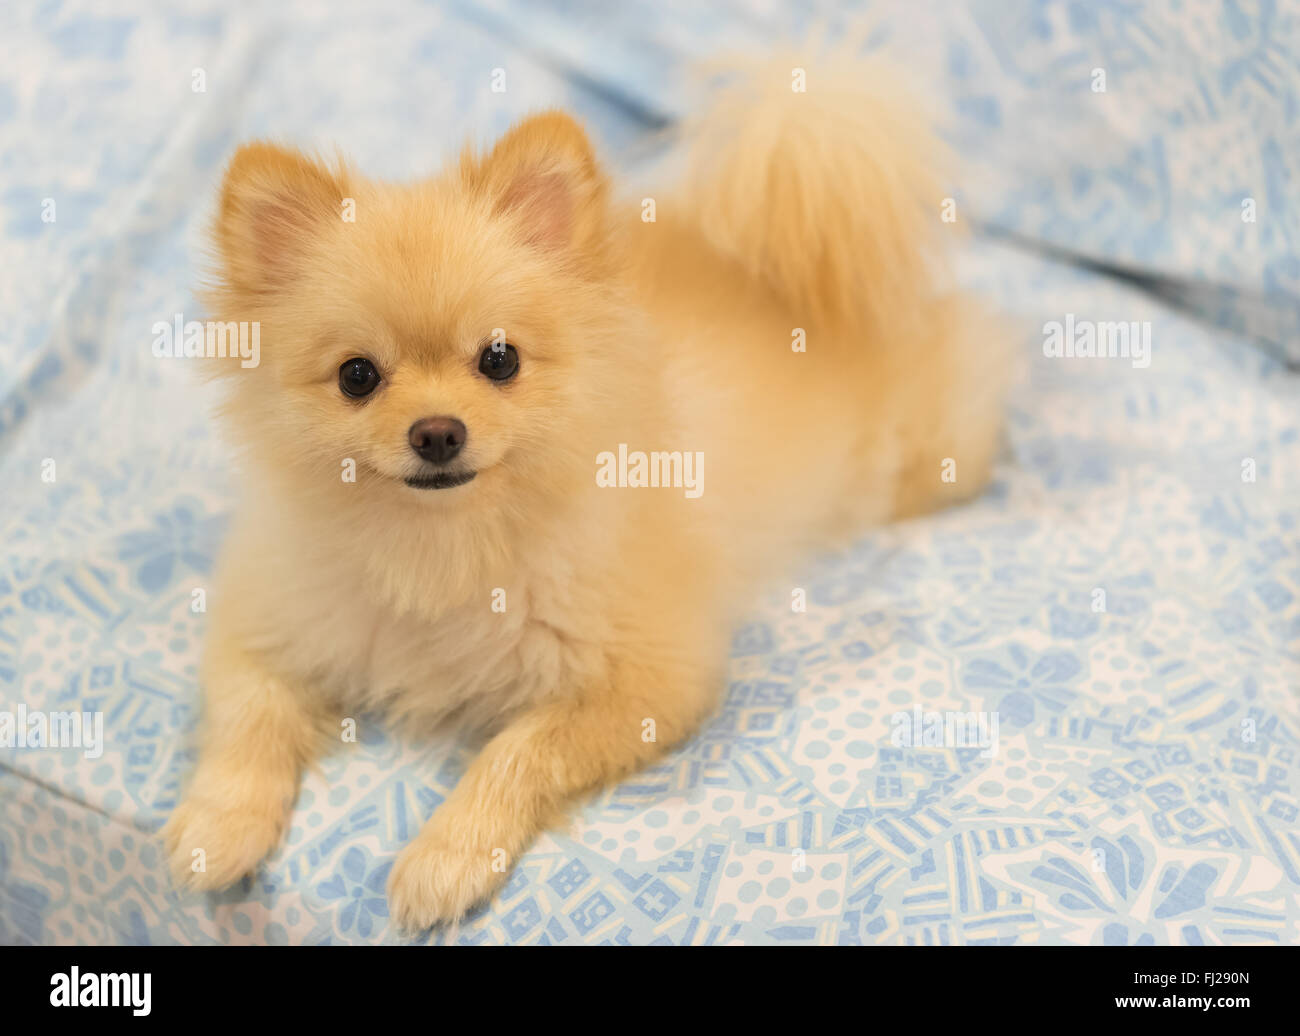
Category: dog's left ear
[275,204]
[543,175]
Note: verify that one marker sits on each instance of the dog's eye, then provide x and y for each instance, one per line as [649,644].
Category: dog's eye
[499,361]
[358,377]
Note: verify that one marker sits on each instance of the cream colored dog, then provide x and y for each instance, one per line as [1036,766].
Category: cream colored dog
[469,347]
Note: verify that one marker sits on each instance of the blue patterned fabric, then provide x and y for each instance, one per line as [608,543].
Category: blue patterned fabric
[1146,780]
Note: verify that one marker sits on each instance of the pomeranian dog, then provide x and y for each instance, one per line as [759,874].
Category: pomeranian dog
[518,454]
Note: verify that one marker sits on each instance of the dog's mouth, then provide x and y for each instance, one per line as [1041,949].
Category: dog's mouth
[440,480]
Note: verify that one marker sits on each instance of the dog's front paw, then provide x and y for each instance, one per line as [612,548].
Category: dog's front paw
[211,845]
[436,881]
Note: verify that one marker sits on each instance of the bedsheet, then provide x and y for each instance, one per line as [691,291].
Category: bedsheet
[1124,601]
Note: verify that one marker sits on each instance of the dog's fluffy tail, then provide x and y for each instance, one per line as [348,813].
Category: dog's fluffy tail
[821,182]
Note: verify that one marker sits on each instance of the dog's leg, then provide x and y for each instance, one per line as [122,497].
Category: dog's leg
[259,732]
[951,430]
[525,777]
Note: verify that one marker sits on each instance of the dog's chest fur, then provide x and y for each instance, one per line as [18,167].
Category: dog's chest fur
[397,632]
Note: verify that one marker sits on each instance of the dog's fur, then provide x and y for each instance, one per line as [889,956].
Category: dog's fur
[810,211]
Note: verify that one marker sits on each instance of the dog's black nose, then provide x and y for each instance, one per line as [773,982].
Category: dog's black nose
[437,439]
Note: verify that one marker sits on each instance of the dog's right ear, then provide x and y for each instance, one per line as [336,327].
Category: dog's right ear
[542,175]
[274,201]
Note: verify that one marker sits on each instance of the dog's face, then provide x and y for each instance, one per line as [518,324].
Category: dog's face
[442,337]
